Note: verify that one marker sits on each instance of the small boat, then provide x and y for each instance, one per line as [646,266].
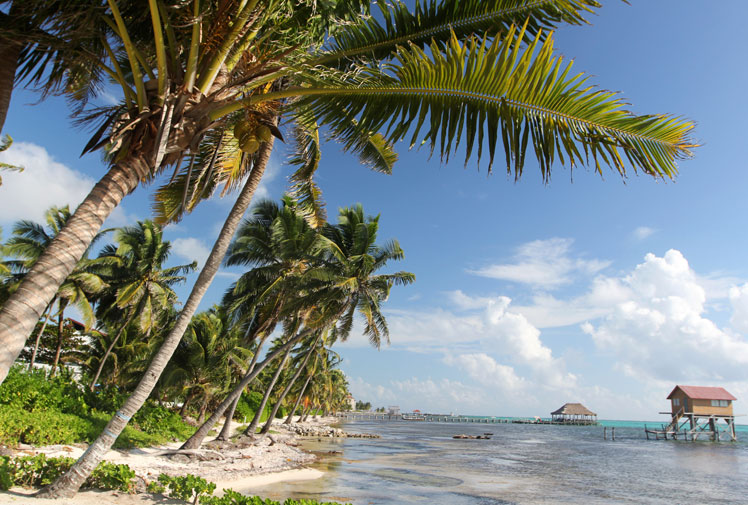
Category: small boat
[413,417]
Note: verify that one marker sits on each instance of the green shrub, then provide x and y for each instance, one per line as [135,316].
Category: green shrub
[42,427]
[231,497]
[248,405]
[33,391]
[39,470]
[111,476]
[187,487]
[40,411]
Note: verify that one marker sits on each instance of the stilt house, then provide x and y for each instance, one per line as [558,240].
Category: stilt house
[696,411]
[573,413]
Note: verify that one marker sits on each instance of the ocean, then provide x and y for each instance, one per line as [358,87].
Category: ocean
[419,462]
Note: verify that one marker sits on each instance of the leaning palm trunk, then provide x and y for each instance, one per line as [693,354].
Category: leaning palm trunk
[39,335]
[258,415]
[197,438]
[69,483]
[298,401]
[9,53]
[22,310]
[285,392]
[60,324]
[226,430]
[109,349]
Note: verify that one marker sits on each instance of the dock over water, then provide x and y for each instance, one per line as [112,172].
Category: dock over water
[445,418]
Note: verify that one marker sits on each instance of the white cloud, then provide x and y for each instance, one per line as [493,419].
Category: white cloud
[661,331]
[191,249]
[643,232]
[543,263]
[44,183]
[739,302]
[484,369]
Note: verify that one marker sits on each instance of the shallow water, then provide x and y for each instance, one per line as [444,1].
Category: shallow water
[521,464]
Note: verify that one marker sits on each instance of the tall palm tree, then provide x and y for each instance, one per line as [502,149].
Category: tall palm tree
[28,243]
[185,95]
[140,288]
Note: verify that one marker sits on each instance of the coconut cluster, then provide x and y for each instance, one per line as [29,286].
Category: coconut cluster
[250,135]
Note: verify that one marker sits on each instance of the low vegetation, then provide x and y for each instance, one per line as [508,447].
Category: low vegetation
[39,411]
[38,471]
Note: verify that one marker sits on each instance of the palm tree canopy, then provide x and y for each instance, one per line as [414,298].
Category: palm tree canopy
[29,241]
[140,284]
[478,74]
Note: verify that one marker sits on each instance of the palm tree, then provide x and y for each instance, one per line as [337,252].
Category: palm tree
[28,243]
[140,289]
[302,358]
[205,360]
[185,96]
[464,82]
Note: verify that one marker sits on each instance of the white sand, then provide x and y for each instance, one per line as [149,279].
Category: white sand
[273,459]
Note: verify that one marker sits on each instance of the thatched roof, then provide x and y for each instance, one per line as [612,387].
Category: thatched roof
[573,409]
[703,393]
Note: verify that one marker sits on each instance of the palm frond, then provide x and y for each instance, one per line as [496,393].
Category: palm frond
[436,19]
[489,89]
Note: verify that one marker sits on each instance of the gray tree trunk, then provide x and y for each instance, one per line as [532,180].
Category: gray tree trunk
[9,53]
[298,401]
[20,313]
[47,311]
[287,389]
[109,350]
[197,438]
[68,484]
[226,430]
[305,413]
[60,325]
[258,415]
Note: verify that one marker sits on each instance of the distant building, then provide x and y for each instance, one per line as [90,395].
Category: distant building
[696,411]
[351,402]
[701,400]
[393,410]
[573,413]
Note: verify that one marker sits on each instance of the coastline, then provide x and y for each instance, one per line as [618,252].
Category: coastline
[240,465]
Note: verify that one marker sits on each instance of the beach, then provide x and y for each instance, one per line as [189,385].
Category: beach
[241,466]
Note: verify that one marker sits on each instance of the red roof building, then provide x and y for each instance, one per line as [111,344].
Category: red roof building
[702,400]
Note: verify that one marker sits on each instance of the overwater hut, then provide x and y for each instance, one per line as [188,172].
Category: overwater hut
[573,413]
[697,411]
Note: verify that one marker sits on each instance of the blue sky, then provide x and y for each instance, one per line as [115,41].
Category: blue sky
[527,295]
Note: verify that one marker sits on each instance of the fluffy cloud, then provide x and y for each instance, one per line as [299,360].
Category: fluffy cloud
[190,249]
[739,301]
[484,369]
[43,183]
[22,196]
[543,263]
[661,332]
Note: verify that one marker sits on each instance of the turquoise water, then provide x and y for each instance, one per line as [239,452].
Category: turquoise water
[521,464]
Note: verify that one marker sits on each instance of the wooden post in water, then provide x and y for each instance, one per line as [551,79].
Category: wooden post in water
[613,433]
[605,433]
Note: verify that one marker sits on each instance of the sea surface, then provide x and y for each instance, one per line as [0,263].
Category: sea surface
[419,462]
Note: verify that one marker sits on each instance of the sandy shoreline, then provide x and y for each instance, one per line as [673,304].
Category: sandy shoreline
[241,467]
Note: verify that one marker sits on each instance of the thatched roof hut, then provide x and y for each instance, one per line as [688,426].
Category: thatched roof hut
[574,413]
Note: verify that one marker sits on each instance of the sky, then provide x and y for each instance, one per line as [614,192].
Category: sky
[600,290]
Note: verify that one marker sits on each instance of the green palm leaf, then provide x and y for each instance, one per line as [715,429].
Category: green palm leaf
[435,20]
[486,90]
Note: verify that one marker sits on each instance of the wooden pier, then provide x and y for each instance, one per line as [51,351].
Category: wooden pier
[444,418]
[690,426]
